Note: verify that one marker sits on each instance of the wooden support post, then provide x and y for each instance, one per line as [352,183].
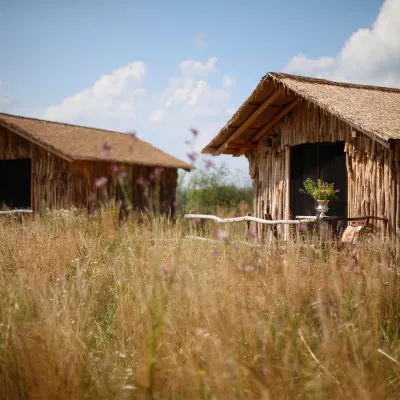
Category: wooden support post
[247,227]
[190,226]
[287,191]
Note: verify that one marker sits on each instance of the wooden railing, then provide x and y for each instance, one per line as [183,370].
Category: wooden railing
[297,221]
[249,219]
[301,220]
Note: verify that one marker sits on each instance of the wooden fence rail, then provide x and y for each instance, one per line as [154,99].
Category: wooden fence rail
[300,220]
[249,219]
[273,223]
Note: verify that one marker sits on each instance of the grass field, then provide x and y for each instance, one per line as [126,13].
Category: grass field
[92,311]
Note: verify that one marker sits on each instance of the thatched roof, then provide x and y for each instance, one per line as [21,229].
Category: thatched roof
[74,142]
[372,110]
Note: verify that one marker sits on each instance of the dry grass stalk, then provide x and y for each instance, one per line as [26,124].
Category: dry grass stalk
[92,311]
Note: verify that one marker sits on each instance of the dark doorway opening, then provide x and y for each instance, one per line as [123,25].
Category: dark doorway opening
[326,161]
[15,183]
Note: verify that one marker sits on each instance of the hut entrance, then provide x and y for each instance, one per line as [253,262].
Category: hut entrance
[326,161]
[15,183]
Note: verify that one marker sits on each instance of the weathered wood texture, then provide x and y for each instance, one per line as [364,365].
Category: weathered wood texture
[57,183]
[373,170]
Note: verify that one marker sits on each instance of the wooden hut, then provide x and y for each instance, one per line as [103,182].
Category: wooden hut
[294,127]
[55,165]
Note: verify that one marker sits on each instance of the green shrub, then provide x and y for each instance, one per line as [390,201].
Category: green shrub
[209,188]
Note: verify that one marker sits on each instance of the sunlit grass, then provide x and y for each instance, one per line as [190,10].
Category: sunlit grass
[90,310]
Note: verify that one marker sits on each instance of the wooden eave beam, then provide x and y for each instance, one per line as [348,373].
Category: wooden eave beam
[235,146]
[274,120]
[249,121]
[270,106]
[270,124]
[385,143]
[242,146]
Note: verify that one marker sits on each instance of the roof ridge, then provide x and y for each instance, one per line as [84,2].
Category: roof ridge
[281,75]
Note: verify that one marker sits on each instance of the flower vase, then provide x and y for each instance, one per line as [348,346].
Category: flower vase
[322,208]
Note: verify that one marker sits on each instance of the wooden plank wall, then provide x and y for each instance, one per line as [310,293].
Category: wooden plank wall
[373,170]
[57,183]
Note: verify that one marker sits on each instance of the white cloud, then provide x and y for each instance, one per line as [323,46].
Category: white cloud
[178,90]
[370,55]
[200,89]
[302,65]
[227,81]
[140,91]
[189,100]
[194,68]
[111,96]
[157,116]
[201,39]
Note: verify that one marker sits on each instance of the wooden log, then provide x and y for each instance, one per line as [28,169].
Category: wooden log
[247,218]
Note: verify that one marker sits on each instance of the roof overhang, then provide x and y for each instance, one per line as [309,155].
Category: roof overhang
[271,101]
[268,104]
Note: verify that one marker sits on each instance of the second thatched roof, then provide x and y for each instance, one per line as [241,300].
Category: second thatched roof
[372,110]
[74,142]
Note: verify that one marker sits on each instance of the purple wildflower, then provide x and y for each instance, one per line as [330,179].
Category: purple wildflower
[163,270]
[101,181]
[122,175]
[114,168]
[106,149]
[134,136]
[223,235]
[192,156]
[302,228]
[174,204]
[209,164]
[90,198]
[106,146]
[195,132]
[252,234]
[337,191]
[187,142]
[140,181]
[151,177]
[214,252]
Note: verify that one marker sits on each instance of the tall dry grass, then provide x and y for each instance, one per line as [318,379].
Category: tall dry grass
[92,311]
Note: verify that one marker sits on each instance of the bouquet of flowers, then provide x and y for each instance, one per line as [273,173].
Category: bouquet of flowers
[319,190]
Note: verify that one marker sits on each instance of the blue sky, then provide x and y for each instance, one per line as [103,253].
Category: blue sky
[160,68]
